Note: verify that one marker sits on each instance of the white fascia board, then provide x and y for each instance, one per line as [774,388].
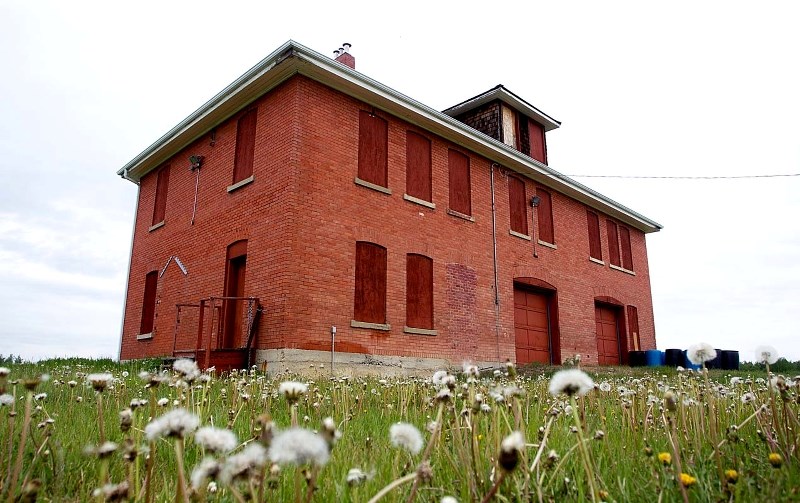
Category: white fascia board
[504,95]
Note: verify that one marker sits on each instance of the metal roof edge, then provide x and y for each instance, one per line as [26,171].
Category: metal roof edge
[503,94]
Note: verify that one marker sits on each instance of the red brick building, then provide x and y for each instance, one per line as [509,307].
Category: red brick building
[307,196]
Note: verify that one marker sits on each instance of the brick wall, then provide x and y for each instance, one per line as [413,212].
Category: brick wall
[303,214]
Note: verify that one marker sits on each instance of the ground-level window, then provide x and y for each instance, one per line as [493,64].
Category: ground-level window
[373,145]
[517,205]
[545,214]
[149,303]
[458,168]
[418,166]
[162,185]
[419,291]
[595,250]
[369,304]
[245,146]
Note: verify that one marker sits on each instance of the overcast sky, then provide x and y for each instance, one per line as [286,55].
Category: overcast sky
[642,89]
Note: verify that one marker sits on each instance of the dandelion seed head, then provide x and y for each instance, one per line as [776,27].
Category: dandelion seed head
[244,464]
[510,449]
[605,387]
[438,376]
[175,423]
[355,476]
[216,440]
[471,369]
[406,436]
[99,381]
[4,371]
[766,354]
[448,499]
[701,353]
[209,468]
[6,399]
[292,390]
[299,446]
[570,382]
[187,368]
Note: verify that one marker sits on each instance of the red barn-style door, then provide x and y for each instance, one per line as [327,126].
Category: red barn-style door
[608,331]
[531,326]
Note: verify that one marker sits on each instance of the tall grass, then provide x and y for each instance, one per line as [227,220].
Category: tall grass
[608,445]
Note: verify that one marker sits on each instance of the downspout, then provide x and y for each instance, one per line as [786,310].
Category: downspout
[130,261]
[494,257]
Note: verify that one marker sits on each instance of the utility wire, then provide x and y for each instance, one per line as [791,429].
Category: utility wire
[722,177]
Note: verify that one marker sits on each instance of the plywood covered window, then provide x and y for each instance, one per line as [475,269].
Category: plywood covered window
[458,167]
[419,291]
[613,243]
[545,216]
[595,250]
[538,148]
[517,205]
[510,136]
[162,186]
[245,146]
[373,144]
[418,166]
[149,303]
[625,245]
[370,289]
[633,327]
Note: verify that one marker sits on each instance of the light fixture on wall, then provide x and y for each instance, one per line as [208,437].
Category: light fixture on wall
[195,162]
[535,200]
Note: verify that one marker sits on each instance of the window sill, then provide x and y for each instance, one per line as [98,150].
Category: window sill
[156,226]
[519,235]
[373,186]
[460,215]
[241,183]
[596,261]
[144,337]
[374,326]
[546,244]
[419,331]
[618,268]
[419,201]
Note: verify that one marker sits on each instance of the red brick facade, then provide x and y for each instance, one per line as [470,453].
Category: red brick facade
[302,215]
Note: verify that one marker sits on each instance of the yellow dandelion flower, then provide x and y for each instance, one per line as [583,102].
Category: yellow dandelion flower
[731,476]
[775,459]
[687,480]
[665,458]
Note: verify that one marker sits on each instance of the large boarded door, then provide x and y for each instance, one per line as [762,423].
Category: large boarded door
[234,287]
[607,322]
[531,326]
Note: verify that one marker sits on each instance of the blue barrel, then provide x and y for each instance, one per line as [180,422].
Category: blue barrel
[636,359]
[674,358]
[687,363]
[730,360]
[716,363]
[653,357]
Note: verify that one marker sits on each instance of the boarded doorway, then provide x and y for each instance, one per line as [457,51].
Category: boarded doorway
[609,327]
[235,272]
[535,322]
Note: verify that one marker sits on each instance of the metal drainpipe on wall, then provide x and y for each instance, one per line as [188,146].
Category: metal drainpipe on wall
[494,256]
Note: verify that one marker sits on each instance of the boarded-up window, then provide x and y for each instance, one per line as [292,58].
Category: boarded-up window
[460,199]
[595,250]
[613,243]
[545,214]
[373,144]
[510,127]
[419,291]
[162,186]
[418,166]
[517,205]
[370,291]
[538,149]
[633,327]
[245,146]
[625,244]
[149,303]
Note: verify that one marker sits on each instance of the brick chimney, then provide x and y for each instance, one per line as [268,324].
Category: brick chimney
[343,56]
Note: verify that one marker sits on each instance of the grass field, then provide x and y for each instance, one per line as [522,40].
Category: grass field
[96,431]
